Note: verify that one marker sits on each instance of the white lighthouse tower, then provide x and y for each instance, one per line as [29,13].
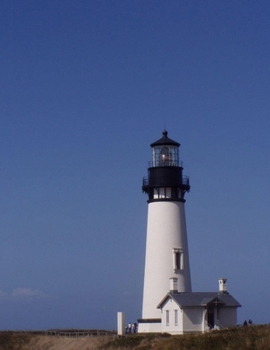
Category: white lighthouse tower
[166,243]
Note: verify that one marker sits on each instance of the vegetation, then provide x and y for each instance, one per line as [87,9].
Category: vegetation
[14,340]
[240,338]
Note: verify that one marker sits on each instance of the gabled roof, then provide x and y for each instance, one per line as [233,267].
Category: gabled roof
[200,299]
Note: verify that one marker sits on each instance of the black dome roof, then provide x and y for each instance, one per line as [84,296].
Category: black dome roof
[165,140]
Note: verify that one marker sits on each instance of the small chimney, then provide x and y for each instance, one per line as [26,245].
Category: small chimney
[222,285]
[173,285]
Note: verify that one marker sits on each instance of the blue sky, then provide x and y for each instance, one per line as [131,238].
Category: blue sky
[85,87]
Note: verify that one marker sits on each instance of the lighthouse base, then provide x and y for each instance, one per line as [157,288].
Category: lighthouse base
[149,325]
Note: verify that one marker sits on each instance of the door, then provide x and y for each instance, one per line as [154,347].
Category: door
[210,318]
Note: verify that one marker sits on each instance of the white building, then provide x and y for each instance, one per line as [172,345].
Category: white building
[166,245]
[167,256]
[198,311]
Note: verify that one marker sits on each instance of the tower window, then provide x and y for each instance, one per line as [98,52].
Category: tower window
[178,259]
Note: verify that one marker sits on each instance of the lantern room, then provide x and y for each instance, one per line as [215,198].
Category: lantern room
[165,152]
[165,180]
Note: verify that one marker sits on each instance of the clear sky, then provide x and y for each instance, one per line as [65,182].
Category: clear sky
[85,87]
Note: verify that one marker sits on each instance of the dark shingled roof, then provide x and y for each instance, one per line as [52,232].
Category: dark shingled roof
[165,140]
[200,299]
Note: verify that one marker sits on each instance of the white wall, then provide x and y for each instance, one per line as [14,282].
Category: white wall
[150,328]
[172,328]
[228,317]
[166,229]
[189,320]
[192,320]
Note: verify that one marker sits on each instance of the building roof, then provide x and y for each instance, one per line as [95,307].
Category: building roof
[165,140]
[187,299]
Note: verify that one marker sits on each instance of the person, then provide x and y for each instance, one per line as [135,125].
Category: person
[129,327]
[245,323]
[135,327]
[249,322]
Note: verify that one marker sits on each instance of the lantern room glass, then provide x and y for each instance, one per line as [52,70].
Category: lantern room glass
[165,155]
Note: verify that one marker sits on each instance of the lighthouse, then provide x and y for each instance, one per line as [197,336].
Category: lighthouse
[166,258]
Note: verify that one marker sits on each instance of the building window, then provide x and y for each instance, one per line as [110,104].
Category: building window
[178,259]
[176,317]
[167,317]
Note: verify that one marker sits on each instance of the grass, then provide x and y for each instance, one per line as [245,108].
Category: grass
[241,338]
[14,340]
